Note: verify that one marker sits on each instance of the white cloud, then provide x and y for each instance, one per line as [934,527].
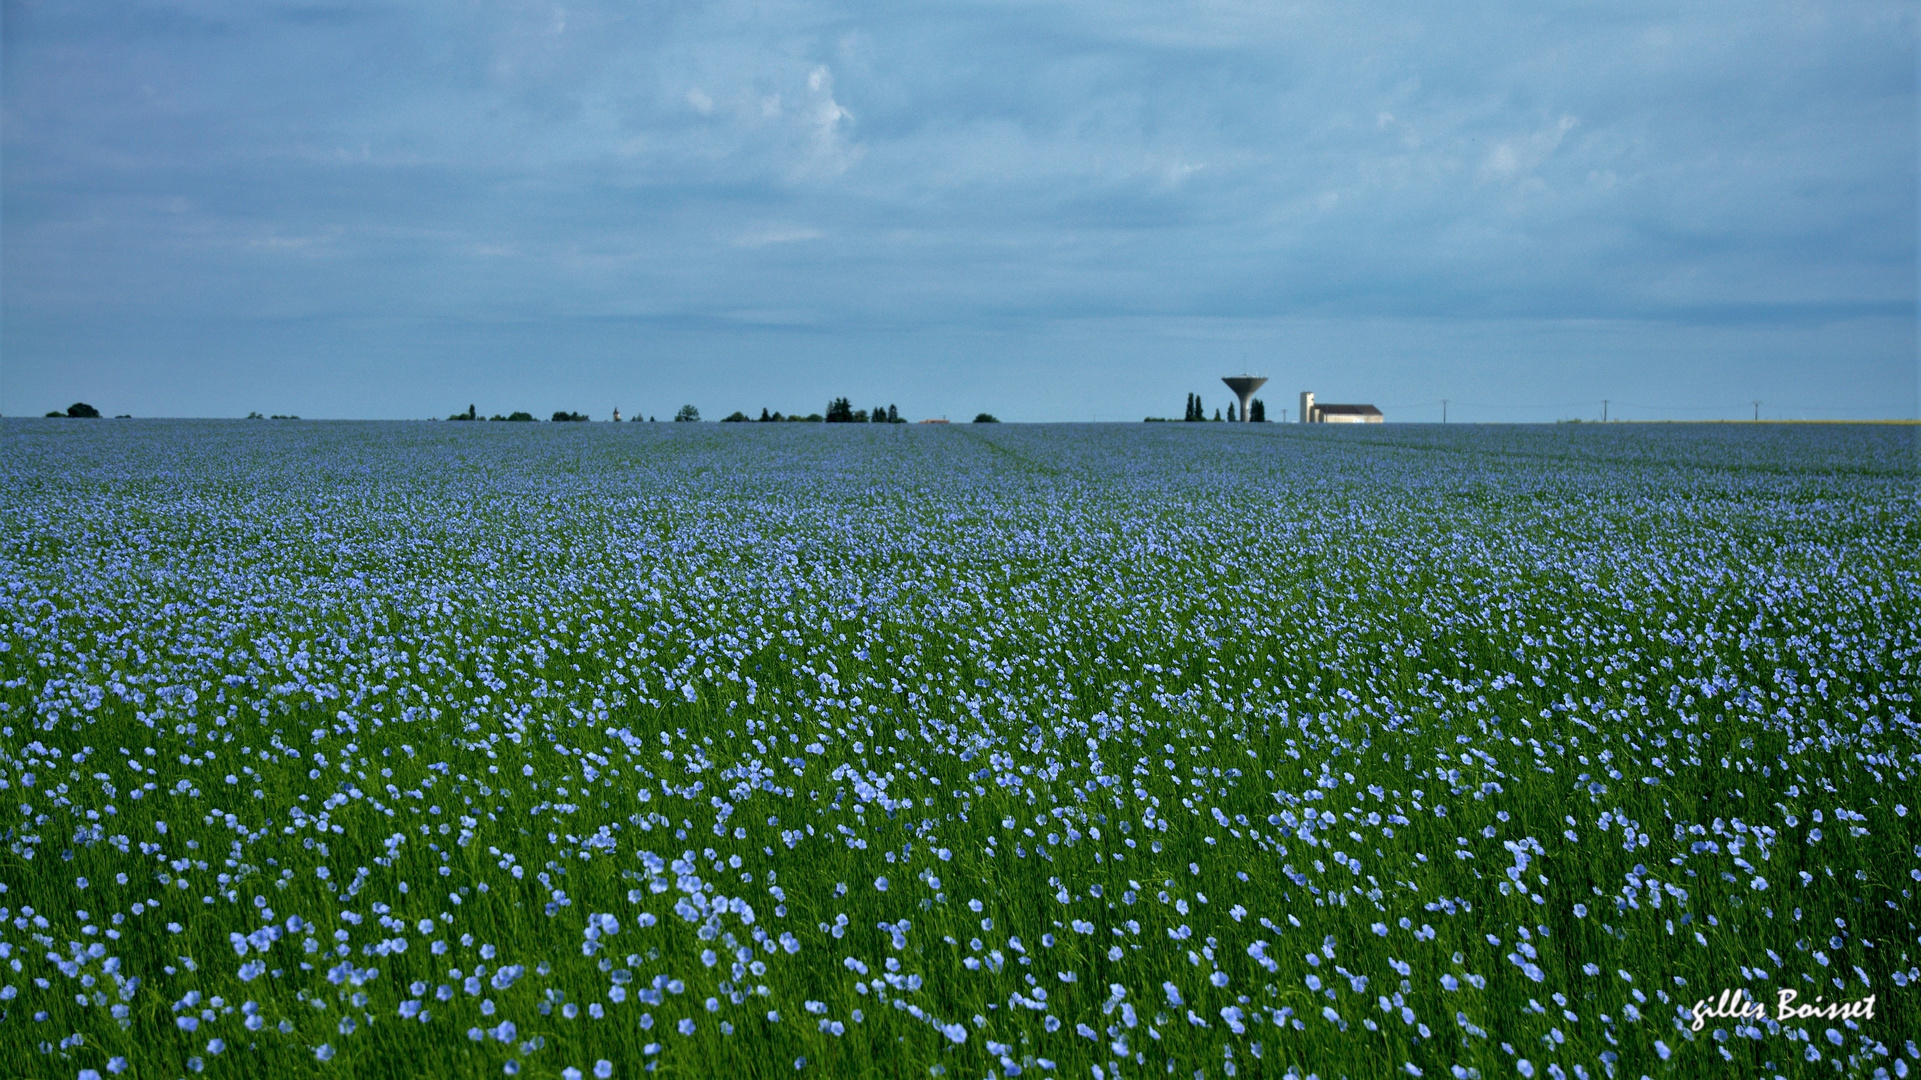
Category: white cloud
[1513,159]
[832,152]
[1174,173]
[1503,161]
[785,234]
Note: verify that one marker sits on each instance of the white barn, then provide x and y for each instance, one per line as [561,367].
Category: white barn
[1313,413]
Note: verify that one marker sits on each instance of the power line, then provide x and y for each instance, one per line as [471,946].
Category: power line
[1675,408]
[1490,405]
[1609,406]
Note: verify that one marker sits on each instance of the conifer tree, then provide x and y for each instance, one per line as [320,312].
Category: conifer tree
[1230,412]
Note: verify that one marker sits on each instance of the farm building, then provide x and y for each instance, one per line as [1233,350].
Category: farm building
[1313,413]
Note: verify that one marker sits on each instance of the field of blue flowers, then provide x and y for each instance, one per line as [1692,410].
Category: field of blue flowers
[1114,751]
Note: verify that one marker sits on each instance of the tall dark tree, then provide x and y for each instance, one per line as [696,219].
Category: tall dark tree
[1230,412]
[764,418]
[1257,412]
[840,411]
[893,415]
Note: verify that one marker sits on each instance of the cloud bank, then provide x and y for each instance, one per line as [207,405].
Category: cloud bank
[585,198]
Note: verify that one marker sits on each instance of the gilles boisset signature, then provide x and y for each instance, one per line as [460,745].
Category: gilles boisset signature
[1736,1005]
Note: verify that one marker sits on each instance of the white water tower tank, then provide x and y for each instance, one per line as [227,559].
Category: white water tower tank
[1244,387]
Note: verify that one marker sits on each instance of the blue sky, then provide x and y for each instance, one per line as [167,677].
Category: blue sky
[1059,211]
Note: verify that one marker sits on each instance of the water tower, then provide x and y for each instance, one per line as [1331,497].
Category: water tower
[1244,387]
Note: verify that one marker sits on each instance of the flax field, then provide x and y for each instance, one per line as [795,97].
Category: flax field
[1197,750]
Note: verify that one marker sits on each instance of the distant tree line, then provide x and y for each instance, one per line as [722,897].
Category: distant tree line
[80,410]
[842,411]
[839,411]
[1256,411]
[738,417]
[517,417]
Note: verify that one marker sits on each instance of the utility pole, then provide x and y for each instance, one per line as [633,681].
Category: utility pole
[1757,412]
[1443,410]
[1604,410]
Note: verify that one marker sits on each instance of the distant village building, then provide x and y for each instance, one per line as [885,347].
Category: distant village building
[1314,413]
[616,414]
[1347,414]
